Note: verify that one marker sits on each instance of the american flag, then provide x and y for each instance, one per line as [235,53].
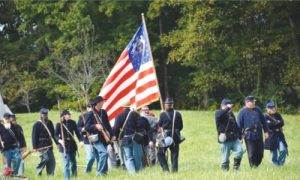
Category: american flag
[133,78]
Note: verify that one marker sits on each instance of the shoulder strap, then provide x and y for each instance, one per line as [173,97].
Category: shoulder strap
[124,124]
[173,123]
[45,126]
[227,126]
[13,134]
[97,118]
[271,117]
[68,131]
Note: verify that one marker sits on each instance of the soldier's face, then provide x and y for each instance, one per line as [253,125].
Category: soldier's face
[223,106]
[250,104]
[67,116]
[99,105]
[6,120]
[44,116]
[146,111]
[271,110]
[168,106]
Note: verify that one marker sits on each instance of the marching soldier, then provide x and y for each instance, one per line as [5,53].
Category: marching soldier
[22,166]
[126,125]
[42,135]
[251,120]
[170,122]
[89,152]
[12,140]
[227,126]
[64,134]
[98,127]
[276,142]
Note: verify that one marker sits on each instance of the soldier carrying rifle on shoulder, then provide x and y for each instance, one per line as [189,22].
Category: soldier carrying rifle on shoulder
[97,125]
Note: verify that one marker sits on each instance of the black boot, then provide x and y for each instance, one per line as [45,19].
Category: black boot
[236,164]
[225,167]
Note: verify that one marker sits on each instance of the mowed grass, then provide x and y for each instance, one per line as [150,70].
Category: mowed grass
[199,155]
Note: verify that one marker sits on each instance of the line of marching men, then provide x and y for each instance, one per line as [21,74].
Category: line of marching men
[136,140]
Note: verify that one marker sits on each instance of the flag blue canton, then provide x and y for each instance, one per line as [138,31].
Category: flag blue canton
[138,49]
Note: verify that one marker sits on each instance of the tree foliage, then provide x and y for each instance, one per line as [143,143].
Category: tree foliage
[203,50]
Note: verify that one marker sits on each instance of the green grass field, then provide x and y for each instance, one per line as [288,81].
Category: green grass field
[199,155]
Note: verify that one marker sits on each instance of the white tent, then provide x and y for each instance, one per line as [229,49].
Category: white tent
[3,108]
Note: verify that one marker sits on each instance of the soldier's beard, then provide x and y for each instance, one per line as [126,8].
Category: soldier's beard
[7,125]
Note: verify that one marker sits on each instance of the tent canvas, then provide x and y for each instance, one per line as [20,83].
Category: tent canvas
[3,108]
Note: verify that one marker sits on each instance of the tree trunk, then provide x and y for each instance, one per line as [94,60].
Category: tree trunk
[164,64]
[27,103]
[205,100]
[292,26]
[86,97]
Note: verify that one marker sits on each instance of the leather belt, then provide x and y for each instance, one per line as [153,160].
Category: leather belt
[128,135]
[251,130]
[275,130]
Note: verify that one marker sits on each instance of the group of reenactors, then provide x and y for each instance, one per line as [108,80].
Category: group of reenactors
[251,125]
[132,143]
[138,138]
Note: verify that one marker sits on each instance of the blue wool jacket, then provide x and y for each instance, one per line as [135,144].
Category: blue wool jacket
[225,118]
[252,121]
[90,125]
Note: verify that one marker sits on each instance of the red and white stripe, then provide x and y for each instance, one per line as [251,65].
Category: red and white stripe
[124,84]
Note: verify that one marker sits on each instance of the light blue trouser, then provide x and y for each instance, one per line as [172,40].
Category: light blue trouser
[69,163]
[279,160]
[234,146]
[90,157]
[133,156]
[13,155]
[21,167]
[101,156]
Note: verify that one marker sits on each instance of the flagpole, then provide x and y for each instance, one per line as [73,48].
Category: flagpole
[144,24]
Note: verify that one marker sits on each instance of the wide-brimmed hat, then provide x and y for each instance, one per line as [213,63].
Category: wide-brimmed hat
[126,104]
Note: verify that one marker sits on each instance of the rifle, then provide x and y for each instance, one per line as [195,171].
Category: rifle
[104,133]
[27,153]
[61,130]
